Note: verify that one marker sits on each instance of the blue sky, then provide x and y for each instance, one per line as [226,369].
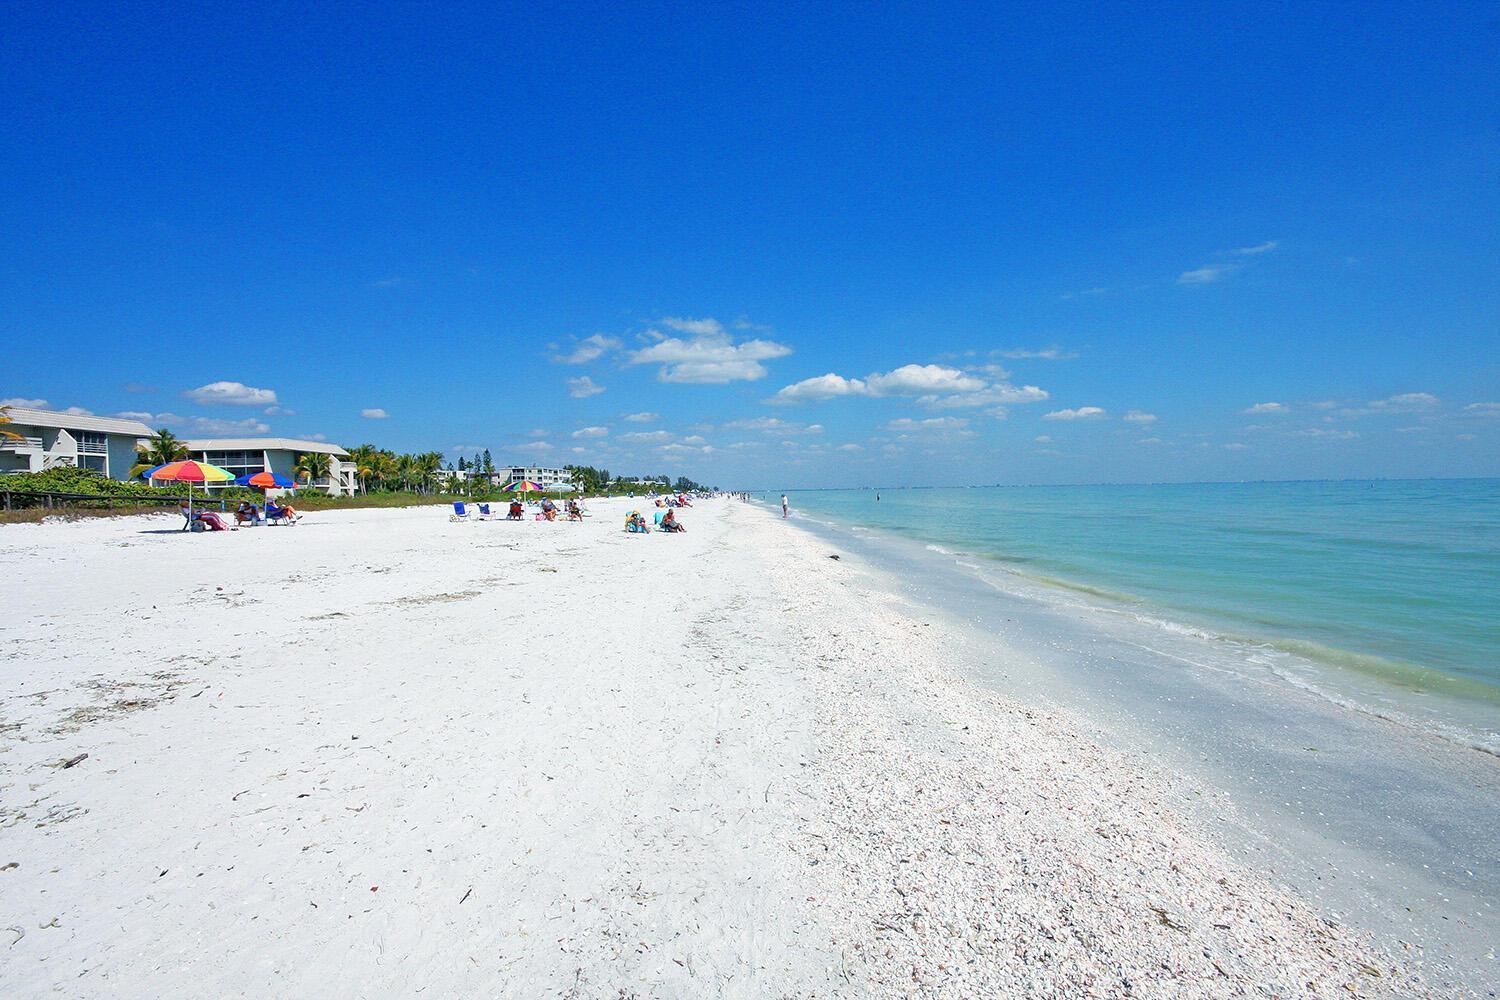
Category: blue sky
[1014,245]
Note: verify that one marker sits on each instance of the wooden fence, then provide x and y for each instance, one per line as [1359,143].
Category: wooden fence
[25,500]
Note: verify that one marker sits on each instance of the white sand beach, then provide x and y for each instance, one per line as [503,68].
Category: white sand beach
[382,754]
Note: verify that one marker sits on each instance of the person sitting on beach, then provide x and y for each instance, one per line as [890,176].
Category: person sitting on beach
[284,512]
[187,514]
[247,513]
[635,523]
[549,509]
[575,513]
[516,511]
[669,522]
[212,520]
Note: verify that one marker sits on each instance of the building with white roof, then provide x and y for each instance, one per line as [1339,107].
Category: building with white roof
[243,456]
[52,439]
[545,477]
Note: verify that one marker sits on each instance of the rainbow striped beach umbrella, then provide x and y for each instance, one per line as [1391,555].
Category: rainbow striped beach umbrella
[523,486]
[189,472]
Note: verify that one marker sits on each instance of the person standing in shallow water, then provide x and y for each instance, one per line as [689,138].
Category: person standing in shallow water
[783,505]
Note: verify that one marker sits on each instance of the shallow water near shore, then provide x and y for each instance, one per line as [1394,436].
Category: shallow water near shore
[1379,595]
[1338,790]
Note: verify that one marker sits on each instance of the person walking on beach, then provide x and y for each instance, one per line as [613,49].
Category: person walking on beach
[783,505]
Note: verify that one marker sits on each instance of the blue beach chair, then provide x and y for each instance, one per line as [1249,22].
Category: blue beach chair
[460,511]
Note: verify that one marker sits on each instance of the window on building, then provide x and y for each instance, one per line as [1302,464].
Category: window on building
[93,449]
[241,463]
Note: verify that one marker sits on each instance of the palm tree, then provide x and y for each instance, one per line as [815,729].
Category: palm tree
[429,465]
[159,449]
[382,467]
[6,435]
[363,457]
[406,470]
[312,465]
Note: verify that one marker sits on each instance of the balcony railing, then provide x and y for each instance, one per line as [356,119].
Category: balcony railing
[24,444]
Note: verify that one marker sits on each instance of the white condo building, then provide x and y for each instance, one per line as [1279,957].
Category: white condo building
[242,456]
[546,478]
[50,440]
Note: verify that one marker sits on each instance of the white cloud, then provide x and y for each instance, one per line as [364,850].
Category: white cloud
[1331,434]
[1140,417]
[209,426]
[850,447]
[583,387]
[140,415]
[642,418]
[697,327]
[1053,353]
[1043,439]
[535,446]
[1267,408]
[1483,410]
[936,386]
[316,437]
[1259,248]
[1080,413]
[280,411]
[645,437]
[774,425]
[1205,275]
[1235,446]
[30,404]
[79,411]
[675,449]
[373,413]
[695,439]
[1149,441]
[708,355]
[590,349]
[591,432]
[914,380]
[1000,393]
[231,394]
[829,386]
[1405,402]
[906,425]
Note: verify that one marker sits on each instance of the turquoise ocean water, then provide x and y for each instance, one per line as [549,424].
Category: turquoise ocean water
[1387,583]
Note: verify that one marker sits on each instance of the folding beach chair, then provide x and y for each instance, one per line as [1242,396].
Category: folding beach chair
[484,512]
[460,511]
